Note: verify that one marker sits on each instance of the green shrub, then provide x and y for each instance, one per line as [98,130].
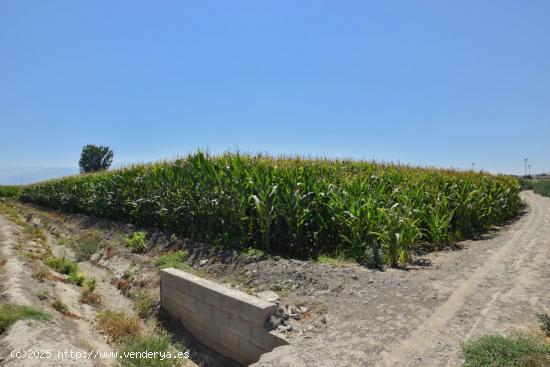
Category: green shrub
[173,259]
[62,265]
[76,278]
[153,343]
[90,284]
[517,350]
[10,313]
[138,242]
[292,206]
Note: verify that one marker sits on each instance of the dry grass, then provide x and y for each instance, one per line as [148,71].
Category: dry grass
[118,325]
[90,297]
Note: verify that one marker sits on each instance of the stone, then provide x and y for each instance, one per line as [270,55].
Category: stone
[268,296]
[203,262]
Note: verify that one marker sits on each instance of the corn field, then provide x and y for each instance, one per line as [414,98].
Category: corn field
[374,213]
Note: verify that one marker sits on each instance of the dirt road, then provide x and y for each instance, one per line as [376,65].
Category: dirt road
[419,317]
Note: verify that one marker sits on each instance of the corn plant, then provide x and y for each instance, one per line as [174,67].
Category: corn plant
[293,206]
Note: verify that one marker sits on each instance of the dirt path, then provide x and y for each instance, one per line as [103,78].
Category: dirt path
[419,317]
[60,334]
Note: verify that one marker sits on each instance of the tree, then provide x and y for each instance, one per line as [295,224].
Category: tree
[95,158]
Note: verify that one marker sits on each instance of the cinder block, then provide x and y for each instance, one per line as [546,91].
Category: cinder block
[261,338]
[212,332]
[197,291]
[204,311]
[212,297]
[229,340]
[174,281]
[220,318]
[170,305]
[232,305]
[225,319]
[239,327]
[257,314]
[249,353]
[189,303]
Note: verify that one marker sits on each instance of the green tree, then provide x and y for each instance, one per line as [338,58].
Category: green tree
[95,158]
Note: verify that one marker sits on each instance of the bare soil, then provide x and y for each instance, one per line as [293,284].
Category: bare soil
[343,314]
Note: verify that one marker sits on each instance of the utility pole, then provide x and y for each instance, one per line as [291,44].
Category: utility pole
[473,166]
[525,161]
[529,169]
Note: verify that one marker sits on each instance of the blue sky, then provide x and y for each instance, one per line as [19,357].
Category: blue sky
[424,82]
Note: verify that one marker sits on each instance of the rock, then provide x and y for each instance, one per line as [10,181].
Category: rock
[303,309]
[324,319]
[203,262]
[274,322]
[371,281]
[269,296]
[284,329]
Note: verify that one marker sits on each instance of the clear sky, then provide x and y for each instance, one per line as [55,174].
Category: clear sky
[443,83]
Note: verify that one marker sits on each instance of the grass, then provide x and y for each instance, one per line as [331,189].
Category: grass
[544,322]
[371,212]
[542,187]
[173,259]
[40,273]
[76,278]
[152,343]
[34,231]
[9,191]
[43,294]
[10,313]
[86,245]
[62,265]
[254,252]
[144,304]
[59,306]
[329,260]
[118,325]
[519,349]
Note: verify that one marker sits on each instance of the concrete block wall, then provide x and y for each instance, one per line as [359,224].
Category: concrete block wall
[224,319]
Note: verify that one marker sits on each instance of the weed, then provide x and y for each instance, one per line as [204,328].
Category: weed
[43,294]
[34,231]
[62,265]
[40,273]
[90,297]
[321,308]
[516,350]
[90,284]
[118,325]
[60,306]
[144,304]
[137,243]
[10,313]
[87,245]
[159,344]
[323,259]
[76,278]
[173,259]
[254,252]
[544,322]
